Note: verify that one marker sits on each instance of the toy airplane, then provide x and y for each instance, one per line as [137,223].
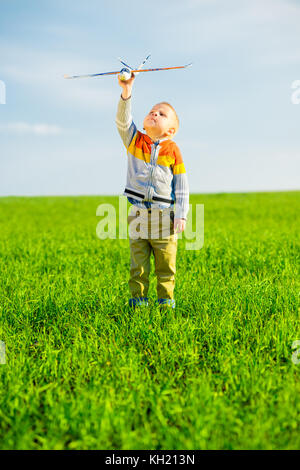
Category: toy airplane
[125,73]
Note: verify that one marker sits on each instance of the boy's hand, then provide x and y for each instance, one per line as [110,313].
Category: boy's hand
[127,86]
[179,225]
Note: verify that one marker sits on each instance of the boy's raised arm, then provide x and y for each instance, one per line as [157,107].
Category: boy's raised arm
[125,124]
[126,86]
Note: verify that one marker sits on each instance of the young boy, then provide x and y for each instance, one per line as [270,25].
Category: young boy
[156,178]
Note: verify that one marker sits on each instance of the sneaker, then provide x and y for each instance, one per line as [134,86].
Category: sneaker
[138,302]
[166,303]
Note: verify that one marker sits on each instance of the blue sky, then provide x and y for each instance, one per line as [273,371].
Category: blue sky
[239,130]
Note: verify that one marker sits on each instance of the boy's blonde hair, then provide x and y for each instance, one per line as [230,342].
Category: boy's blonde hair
[175,115]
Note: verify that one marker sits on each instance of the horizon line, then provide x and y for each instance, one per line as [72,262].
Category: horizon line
[117,195]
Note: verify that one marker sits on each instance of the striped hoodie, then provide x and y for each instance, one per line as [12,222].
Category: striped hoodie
[155,171]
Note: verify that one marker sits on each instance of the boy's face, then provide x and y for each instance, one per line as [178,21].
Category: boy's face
[160,122]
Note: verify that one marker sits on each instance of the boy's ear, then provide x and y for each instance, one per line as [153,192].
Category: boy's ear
[171,131]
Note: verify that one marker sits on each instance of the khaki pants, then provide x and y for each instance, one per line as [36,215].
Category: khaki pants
[152,231]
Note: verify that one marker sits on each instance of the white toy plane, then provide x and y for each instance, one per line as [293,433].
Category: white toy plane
[125,73]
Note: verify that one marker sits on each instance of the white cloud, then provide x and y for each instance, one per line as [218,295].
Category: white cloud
[45,76]
[39,129]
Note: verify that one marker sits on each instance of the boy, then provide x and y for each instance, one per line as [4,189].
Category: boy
[156,178]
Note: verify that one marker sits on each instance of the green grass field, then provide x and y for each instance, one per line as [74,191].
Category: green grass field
[84,372]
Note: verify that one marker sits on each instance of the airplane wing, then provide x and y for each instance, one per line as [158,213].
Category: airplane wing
[91,75]
[133,71]
[162,68]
